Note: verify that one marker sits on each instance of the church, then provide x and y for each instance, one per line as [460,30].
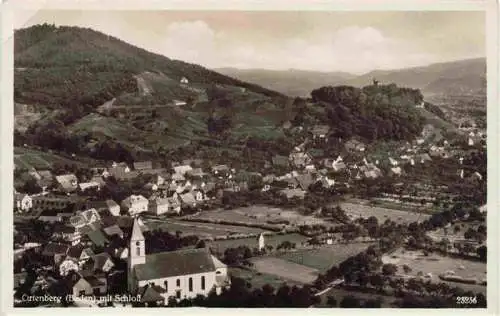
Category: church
[180,274]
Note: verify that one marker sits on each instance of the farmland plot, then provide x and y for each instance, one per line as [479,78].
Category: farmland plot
[285,269]
[272,240]
[356,210]
[431,266]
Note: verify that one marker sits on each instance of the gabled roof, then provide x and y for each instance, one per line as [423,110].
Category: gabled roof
[100,260]
[136,231]
[320,130]
[175,263]
[150,293]
[97,237]
[68,182]
[305,180]
[220,168]
[113,230]
[142,165]
[52,249]
[188,198]
[279,160]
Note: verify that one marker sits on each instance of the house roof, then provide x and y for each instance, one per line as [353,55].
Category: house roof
[100,260]
[93,280]
[178,177]
[68,182]
[97,237]
[305,180]
[151,293]
[188,198]
[119,172]
[75,251]
[85,185]
[182,169]
[175,263]
[141,165]
[52,249]
[113,230]
[279,160]
[220,168]
[320,130]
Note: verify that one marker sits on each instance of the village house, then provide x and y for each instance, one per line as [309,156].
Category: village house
[320,132]
[69,234]
[97,238]
[196,173]
[300,159]
[23,202]
[67,183]
[135,204]
[337,164]
[422,158]
[84,186]
[89,285]
[99,262]
[109,205]
[79,253]
[158,205]
[188,200]
[53,253]
[354,145]
[113,230]
[221,170]
[280,161]
[83,218]
[182,170]
[143,165]
[180,274]
[121,172]
[175,205]
[43,202]
[327,182]
[184,80]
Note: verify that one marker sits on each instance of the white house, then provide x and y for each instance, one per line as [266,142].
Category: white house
[182,169]
[179,274]
[184,80]
[159,206]
[135,204]
[24,202]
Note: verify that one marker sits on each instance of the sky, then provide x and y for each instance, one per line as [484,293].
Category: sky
[355,42]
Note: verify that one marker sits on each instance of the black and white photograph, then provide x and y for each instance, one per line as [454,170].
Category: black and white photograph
[239,158]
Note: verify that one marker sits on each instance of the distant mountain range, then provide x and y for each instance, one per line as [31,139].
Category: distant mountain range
[456,77]
[291,82]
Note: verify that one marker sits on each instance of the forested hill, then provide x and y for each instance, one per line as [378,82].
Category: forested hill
[375,112]
[63,66]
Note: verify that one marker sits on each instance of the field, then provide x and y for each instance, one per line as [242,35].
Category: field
[285,269]
[325,257]
[436,264]
[258,279]
[273,240]
[202,230]
[355,210]
[260,215]
[451,234]
[25,159]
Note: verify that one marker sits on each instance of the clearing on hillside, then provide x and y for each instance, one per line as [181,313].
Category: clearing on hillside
[285,269]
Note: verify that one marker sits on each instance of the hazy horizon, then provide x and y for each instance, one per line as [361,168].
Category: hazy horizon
[351,42]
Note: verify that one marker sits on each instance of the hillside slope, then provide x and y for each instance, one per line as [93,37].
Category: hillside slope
[60,66]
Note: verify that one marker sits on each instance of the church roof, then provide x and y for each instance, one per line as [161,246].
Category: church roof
[136,231]
[175,263]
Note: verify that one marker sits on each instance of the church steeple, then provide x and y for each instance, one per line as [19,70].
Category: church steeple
[136,251]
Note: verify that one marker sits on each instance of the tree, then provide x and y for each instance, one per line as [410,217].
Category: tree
[482,253]
[350,302]
[406,268]
[389,269]
[331,301]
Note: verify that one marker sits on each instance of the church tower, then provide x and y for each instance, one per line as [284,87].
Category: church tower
[136,253]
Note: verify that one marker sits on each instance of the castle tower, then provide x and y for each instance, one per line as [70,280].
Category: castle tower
[262,243]
[136,252]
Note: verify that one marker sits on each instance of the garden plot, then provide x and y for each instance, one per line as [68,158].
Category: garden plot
[258,214]
[285,269]
[323,258]
[431,266]
[355,210]
[271,240]
[203,230]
